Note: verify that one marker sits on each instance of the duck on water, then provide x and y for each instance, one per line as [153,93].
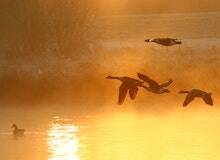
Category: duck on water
[17,131]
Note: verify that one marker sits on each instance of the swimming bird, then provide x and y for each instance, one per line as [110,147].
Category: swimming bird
[154,86]
[164,41]
[16,131]
[128,84]
[197,93]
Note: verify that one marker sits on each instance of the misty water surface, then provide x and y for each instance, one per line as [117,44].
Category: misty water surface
[79,118]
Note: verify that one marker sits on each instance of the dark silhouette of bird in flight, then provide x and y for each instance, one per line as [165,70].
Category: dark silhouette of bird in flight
[197,93]
[164,41]
[154,86]
[17,131]
[128,84]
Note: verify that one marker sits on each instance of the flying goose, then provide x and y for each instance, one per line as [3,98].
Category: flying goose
[197,93]
[128,84]
[154,86]
[16,131]
[164,41]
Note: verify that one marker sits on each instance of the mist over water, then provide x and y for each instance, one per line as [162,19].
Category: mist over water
[120,50]
[70,112]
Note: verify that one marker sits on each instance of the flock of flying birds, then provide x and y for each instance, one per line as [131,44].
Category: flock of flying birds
[131,85]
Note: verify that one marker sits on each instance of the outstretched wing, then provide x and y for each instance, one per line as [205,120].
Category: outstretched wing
[208,99]
[145,78]
[166,84]
[122,93]
[189,98]
[133,92]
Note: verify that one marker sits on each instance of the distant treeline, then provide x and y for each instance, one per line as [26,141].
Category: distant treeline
[39,27]
[37,38]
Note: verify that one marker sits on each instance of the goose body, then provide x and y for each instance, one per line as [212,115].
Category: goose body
[154,87]
[17,131]
[196,93]
[128,85]
[164,41]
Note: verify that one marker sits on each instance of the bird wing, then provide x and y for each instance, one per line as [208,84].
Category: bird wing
[189,98]
[166,84]
[208,99]
[145,78]
[122,93]
[133,92]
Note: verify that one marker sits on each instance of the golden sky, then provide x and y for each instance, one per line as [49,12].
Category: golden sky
[149,6]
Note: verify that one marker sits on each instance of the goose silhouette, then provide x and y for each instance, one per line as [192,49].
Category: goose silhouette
[154,86]
[199,94]
[164,41]
[128,84]
[17,131]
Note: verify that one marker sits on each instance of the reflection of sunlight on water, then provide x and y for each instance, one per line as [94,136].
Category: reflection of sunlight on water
[129,136]
[63,141]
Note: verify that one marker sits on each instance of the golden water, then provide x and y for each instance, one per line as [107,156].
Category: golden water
[185,134]
[127,136]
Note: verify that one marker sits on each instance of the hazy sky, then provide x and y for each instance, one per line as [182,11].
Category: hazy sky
[149,6]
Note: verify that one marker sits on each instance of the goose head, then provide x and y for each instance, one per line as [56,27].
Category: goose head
[109,77]
[14,126]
